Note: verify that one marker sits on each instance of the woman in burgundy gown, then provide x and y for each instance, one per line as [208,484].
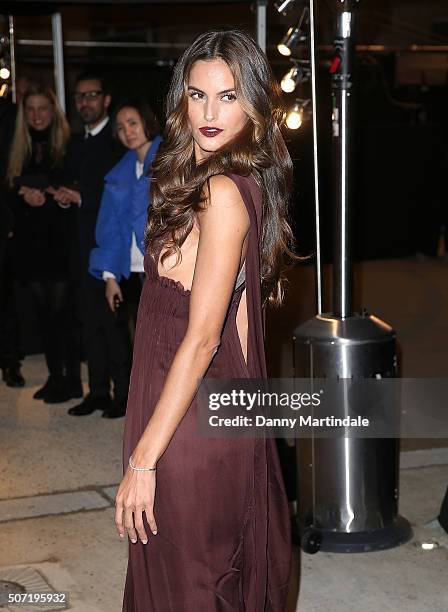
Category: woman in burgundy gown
[213,535]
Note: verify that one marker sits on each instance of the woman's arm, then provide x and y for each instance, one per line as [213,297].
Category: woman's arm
[223,225]
[106,256]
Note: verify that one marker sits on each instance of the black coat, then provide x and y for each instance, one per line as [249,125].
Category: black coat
[40,243]
[86,164]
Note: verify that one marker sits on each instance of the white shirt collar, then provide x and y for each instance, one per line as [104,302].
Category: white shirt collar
[139,168]
[97,129]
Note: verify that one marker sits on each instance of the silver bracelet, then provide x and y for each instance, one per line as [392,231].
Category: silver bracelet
[140,469]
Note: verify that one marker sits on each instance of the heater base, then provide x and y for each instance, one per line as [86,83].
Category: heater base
[313,539]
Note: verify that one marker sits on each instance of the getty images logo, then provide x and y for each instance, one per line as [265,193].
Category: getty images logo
[249,401]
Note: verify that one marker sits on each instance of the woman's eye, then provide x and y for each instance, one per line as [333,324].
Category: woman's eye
[229,97]
[196,95]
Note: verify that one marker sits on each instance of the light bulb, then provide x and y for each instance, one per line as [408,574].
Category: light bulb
[288,85]
[284,50]
[289,81]
[294,119]
[5,73]
[294,35]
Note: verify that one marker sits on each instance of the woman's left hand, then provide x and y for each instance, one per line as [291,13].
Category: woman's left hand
[33,197]
[136,495]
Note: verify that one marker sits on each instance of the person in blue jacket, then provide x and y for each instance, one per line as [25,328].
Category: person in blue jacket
[120,228]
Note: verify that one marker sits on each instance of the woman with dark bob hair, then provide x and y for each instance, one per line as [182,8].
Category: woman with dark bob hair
[214,535]
[120,227]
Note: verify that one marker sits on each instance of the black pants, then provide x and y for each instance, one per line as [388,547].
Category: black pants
[106,341]
[131,289]
[10,350]
[58,328]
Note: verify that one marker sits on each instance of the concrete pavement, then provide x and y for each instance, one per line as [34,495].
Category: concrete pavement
[58,476]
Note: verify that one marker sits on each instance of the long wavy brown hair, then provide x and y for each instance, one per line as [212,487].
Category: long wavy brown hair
[22,144]
[179,185]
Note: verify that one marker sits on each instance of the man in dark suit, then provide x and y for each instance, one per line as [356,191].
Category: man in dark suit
[106,338]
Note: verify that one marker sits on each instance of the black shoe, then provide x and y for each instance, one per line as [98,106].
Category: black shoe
[89,405]
[57,392]
[13,376]
[40,393]
[116,410]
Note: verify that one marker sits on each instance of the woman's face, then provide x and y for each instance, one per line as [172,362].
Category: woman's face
[214,112]
[130,128]
[39,112]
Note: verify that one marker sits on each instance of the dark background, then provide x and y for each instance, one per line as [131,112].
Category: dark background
[401,119]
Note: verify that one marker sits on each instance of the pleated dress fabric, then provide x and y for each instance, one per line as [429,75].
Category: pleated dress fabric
[223,542]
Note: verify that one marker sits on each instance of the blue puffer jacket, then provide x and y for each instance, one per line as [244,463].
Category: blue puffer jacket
[124,210]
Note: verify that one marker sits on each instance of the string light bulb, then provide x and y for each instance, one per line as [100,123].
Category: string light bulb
[290,80]
[294,35]
[297,74]
[294,117]
[296,114]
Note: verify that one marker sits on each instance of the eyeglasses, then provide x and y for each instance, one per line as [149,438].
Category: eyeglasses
[88,95]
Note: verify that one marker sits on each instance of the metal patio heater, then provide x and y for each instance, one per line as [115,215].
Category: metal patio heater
[347,487]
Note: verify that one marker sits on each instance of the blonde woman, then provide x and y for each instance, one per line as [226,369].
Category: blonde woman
[41,245]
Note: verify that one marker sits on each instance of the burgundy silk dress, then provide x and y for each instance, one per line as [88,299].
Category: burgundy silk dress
[223,542]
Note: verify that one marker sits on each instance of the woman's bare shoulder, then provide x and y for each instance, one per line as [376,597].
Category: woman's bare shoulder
[224,206]
[223,192]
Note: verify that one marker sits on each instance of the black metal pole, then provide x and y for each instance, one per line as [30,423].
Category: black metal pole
[342,90]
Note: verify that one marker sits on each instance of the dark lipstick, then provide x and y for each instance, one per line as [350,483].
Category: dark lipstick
[210,132]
